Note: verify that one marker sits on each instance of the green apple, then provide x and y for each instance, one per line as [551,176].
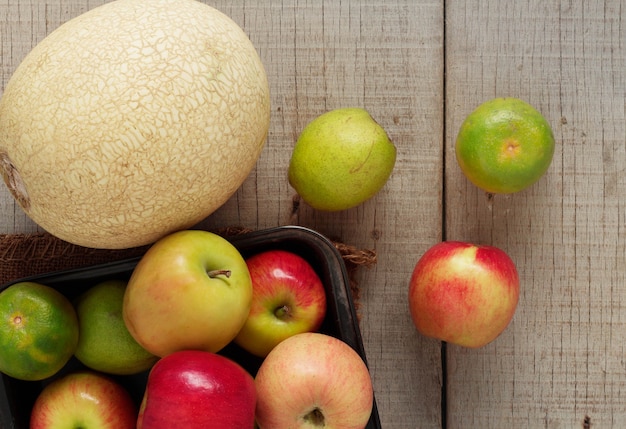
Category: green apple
[104,343]
[190,290]
[288,298]
[341,159]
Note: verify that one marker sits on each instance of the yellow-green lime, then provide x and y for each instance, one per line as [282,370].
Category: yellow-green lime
[341,159]
[38,332]
[505,145]
[105,344]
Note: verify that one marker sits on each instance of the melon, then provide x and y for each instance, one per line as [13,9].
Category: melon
[133,120]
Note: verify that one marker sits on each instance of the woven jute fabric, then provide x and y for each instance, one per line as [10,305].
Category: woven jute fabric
[24,255]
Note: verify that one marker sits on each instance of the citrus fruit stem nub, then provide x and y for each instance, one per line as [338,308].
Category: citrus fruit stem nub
[511,148]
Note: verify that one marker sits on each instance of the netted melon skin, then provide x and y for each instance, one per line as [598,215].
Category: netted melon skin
[133,120]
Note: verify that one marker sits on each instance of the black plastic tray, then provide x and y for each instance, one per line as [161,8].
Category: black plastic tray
[17,397]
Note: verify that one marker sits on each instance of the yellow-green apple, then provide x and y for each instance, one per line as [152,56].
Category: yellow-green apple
[288,298]
[190,290]
[462,293]
[86,400]
[193,389]
[313,380]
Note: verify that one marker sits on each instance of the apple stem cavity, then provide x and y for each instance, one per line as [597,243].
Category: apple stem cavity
[215,273]
[282,312]
[315,417]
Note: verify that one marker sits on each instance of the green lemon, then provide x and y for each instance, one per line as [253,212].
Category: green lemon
[341,159]
[504,146]
[38,331]
[105,344]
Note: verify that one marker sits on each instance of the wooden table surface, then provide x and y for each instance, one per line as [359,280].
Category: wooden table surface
[420,67]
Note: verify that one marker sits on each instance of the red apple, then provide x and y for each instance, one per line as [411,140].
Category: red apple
[190,290]
[192,389]
[85,400]
[313,380]
[463,294]
[288,298]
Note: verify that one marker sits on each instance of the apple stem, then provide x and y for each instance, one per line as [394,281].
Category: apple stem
[215,273]
[282,312]
[316,418]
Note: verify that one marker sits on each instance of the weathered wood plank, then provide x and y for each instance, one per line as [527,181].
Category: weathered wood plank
[562,359]
[388,58]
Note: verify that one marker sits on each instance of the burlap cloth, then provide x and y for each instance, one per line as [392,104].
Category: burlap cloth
[23,255]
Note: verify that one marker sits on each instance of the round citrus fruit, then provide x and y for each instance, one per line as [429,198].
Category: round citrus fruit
[105,344]
[504,146]
[38,332]
[341,159]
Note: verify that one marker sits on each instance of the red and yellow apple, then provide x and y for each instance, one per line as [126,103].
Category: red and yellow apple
[462,293]
[288,298]
[313,380]
[193,389]
[190,290]
[86,400]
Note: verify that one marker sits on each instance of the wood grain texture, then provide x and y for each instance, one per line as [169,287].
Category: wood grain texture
[321,56]
[384,56]
[420,67]
[561,362]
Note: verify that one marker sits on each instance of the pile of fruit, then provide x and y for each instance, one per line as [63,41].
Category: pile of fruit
[190,297]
